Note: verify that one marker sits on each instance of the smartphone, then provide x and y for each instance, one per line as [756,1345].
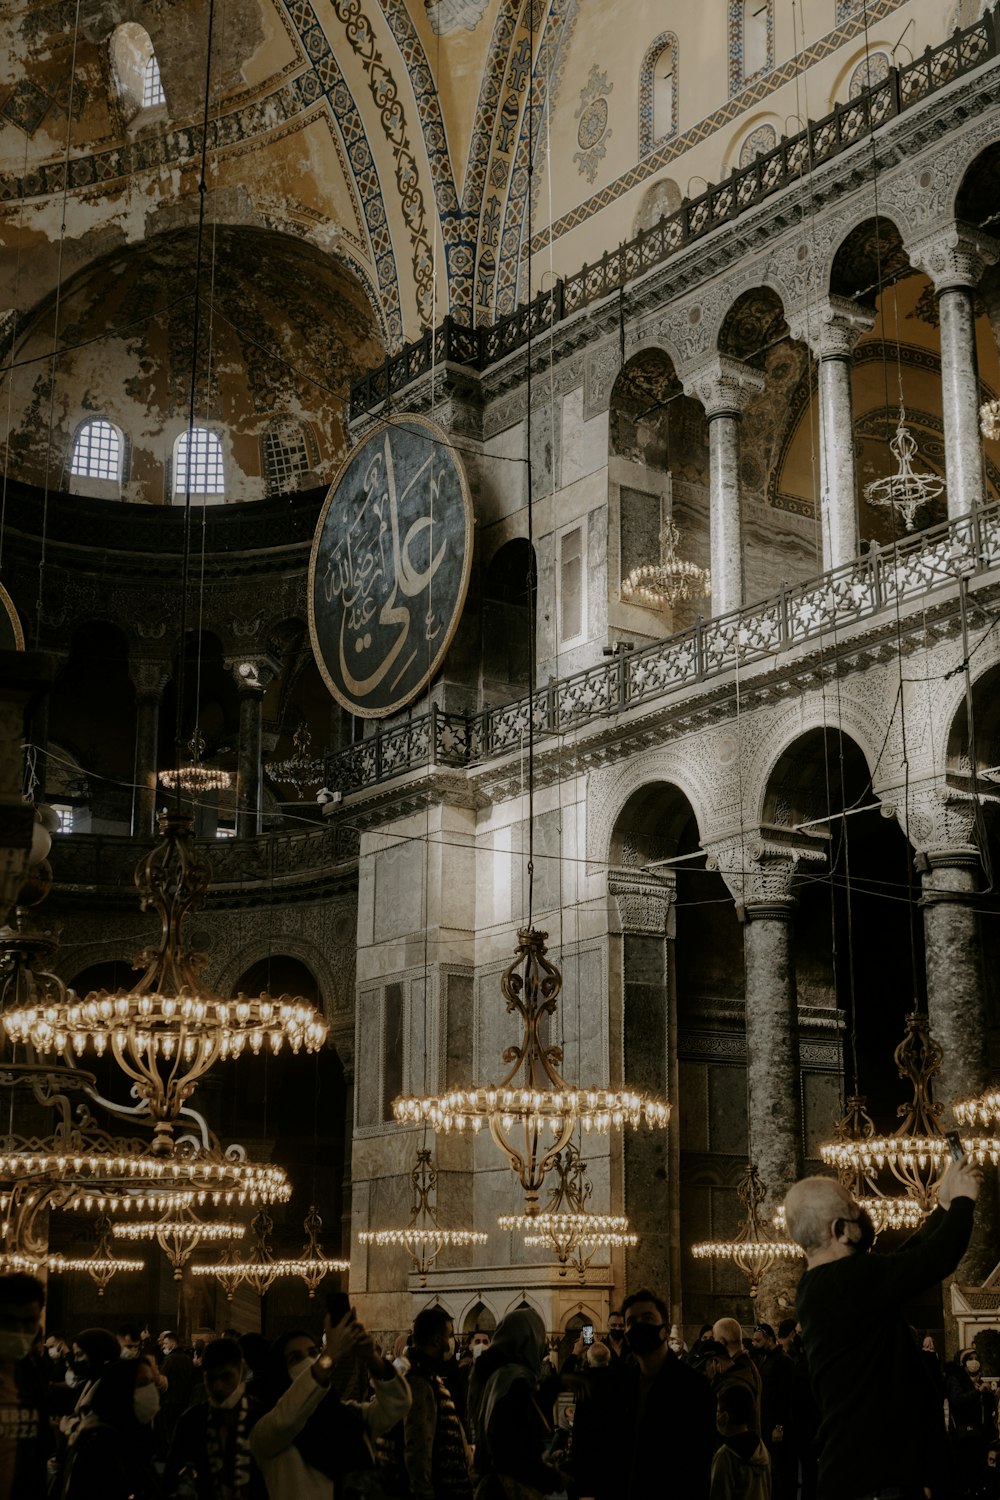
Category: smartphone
[338,1305]
[588,1333]
[955,1145]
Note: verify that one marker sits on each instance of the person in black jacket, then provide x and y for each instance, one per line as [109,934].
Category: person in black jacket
[881,1427]
[654,1432]
[110,1455]
[24,1428]
[509,1409]
[210,1448]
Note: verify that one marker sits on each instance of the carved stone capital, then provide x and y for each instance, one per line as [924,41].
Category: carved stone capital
[644,899]
[150,676]
[253,674]
[954,255]
[831,327]
[723,385]
[759,869]
[939,822]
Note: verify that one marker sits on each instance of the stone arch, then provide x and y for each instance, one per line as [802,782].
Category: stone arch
[280,945]
[954,759]
[575,1317]
[851,715]
[608,793]
[751,323]
[841,89]
[867,245]
[661,199]
[978,177]
[523,1299]
[755,137]
[815,774]
[477,1316]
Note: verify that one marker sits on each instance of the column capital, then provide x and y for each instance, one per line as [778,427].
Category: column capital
[831,326]
[645,899]
[150,676]
[954,255]
[940,823]
[760,866]
[253,674]
[723,385]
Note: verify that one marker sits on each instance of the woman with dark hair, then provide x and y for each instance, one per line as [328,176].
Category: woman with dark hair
[110,1454]
[509,1413]
[312,1445]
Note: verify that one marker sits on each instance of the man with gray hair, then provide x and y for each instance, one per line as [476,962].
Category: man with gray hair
[881,1432]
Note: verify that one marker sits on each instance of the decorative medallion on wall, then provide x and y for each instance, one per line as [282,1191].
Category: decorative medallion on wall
[390,566]
[875,68]
[11,633]
[593,132]
[758,143]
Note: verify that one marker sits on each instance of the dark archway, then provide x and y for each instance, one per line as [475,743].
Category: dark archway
[510,590]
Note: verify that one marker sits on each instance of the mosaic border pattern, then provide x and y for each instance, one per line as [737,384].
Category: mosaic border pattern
[738,78]
[550,67]
[646,101]
[877,10]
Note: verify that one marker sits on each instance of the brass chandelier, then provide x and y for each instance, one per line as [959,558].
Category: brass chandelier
[102,1265]
[169,1028]
[754,1249]
[917,1152]
[566,1227]
[669,581]
[196,777]
[300,770]
[423,1238]
[179,1237]
[262,1268]
[886,1210]
[532,1112]
[905,491]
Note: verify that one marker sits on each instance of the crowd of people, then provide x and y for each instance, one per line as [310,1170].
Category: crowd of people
[630,1413]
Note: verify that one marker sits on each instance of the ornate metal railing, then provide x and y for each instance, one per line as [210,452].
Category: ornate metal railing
[792,159]
[271,862]
[795,616]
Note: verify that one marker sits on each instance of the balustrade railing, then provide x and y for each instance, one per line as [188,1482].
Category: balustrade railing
[804,612]
[793,158]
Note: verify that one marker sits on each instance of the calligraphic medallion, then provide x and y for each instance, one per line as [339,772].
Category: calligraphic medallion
[11,633]
[390,566]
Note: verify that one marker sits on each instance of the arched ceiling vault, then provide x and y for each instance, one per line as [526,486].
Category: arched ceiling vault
[352,125]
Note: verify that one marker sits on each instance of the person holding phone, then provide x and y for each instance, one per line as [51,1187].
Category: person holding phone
[312,1445]
[881,1430]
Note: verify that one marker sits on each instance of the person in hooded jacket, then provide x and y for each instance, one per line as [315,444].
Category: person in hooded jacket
[508,1402]
[741,1468]
[111,1453]
[312,1445]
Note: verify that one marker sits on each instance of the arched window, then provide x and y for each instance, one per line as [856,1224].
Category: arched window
[97,460]
[97,451]
[152,88]
[751,37]
[761,140]
[658,93]
[206,478]
[135,70]
[288,452]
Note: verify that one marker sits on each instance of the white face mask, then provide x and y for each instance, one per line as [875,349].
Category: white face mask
[15,1346]
[972,1365]
[477,1350]
[145,1403]
[229,1402]
[72,1378]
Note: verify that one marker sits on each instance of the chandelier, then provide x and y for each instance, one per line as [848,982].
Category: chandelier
[984,1110]
[886,1211]
[170,1028]
[102,1264]
[423,1238]
[180,1237]
[904,491]
[989,419]
[300,770]
[532,1112]
[917,1152]
[565,1226]
[754,1250]
[670,580]
[262,1268]
[196,777]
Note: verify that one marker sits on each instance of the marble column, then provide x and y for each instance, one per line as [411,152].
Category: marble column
[831,328]
[650,1158]
[955,257]
[950,872]
[253,675]
[724,386]
[149,677]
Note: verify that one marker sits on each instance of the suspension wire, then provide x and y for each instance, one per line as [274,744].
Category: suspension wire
[532,668]
[55,329]
[192,408]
